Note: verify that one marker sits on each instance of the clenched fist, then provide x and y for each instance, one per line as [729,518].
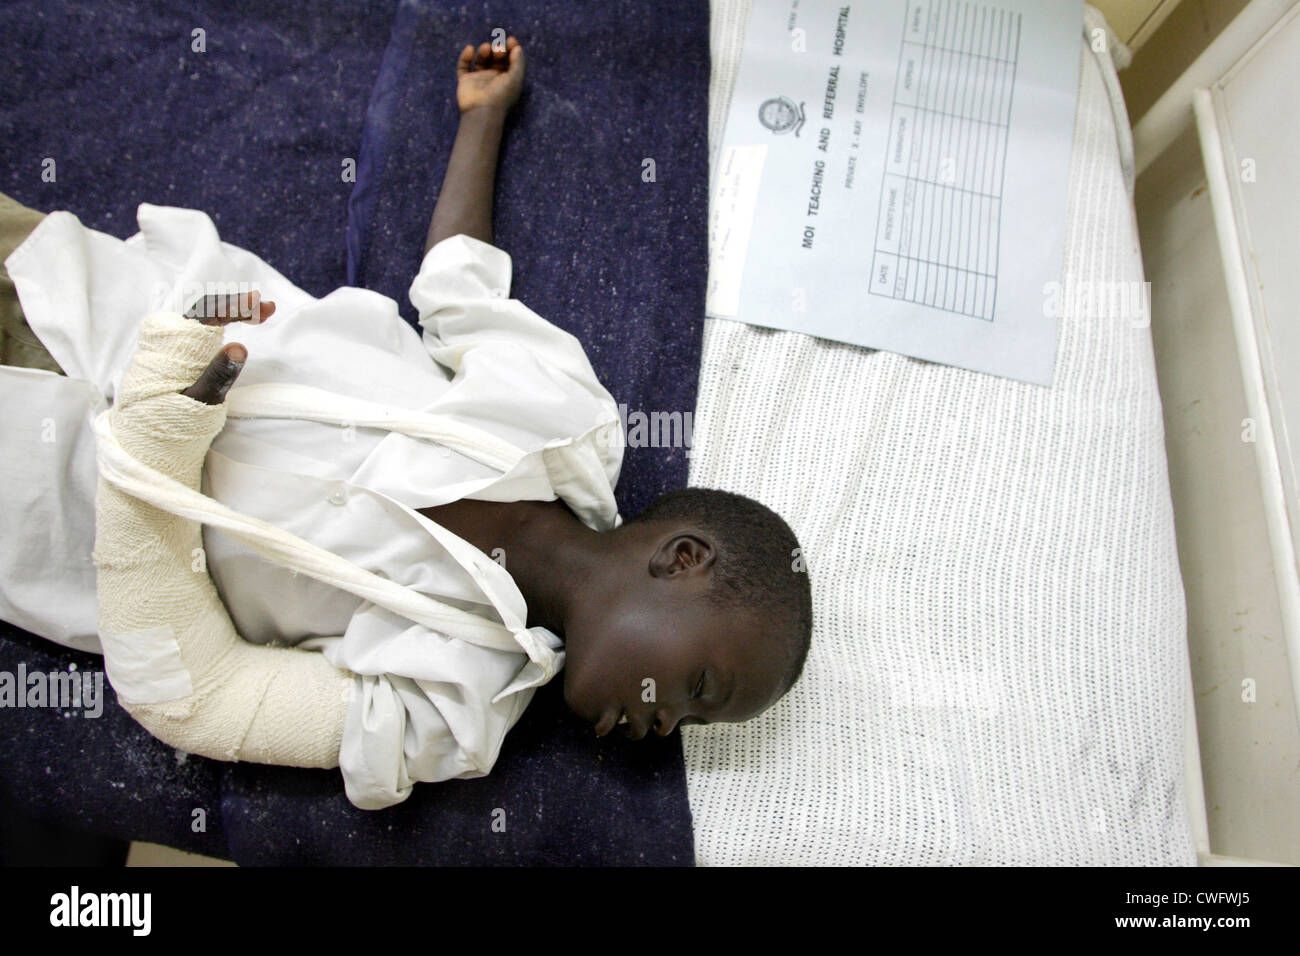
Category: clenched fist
[489,77]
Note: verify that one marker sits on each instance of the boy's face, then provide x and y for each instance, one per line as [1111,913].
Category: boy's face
[645,644]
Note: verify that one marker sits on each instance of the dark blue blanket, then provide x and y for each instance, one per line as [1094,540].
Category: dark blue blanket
[255,131]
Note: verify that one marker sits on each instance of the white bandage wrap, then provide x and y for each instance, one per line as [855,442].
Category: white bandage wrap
[159,614]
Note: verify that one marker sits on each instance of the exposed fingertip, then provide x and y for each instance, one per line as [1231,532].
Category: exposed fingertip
[236,354]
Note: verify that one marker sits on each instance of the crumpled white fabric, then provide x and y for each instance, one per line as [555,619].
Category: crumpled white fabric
[427,708]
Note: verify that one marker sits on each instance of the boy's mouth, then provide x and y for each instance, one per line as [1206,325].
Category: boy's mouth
[605,725]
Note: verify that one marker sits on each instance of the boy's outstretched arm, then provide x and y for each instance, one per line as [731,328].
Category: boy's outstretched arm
[489,82]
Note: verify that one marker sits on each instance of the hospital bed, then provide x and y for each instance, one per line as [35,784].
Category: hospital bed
[999,672]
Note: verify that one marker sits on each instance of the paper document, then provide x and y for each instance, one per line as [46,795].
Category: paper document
[894,175]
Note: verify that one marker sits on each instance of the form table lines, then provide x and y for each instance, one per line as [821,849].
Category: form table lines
[941,194]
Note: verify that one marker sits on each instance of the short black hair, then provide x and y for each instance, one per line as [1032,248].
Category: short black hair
[759,564]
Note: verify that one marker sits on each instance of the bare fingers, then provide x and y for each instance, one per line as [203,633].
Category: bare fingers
[215,380]
[224,309]
[487,56]
[466,60]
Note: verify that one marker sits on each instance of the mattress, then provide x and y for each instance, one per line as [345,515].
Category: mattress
[999,651]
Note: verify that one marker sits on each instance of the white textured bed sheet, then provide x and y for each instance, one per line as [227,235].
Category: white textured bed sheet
[999,656]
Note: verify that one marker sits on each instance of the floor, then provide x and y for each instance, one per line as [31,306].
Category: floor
[1250,751]
[151,854]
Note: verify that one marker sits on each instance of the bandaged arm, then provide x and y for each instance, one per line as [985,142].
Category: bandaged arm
[170,648]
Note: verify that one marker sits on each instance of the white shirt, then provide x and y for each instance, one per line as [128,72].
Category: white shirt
[427,706]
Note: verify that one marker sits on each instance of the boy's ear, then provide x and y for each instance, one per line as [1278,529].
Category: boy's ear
[682,554]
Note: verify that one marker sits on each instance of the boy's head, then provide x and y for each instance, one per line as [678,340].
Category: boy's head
[701,614]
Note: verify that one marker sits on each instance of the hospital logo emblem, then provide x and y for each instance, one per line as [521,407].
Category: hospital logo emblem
[780,115]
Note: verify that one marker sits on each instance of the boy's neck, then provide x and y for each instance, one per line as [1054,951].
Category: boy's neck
[542,544]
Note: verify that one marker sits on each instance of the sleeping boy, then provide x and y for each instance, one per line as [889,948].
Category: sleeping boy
[437,511]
